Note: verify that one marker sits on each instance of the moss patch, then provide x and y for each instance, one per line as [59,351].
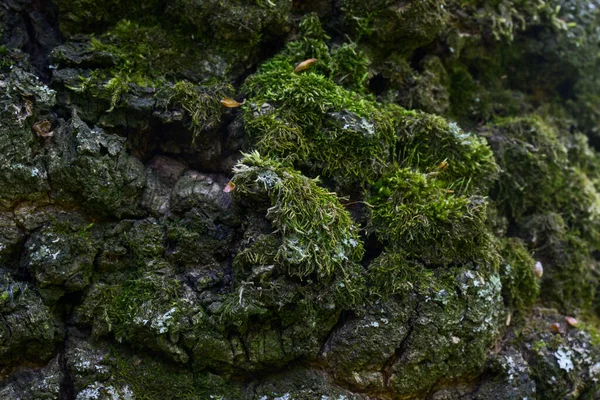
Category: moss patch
[520,285]
[418,215]
[318,235]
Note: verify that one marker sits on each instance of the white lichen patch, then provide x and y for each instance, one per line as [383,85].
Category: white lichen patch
[163,322]
[563,358]
[97,391]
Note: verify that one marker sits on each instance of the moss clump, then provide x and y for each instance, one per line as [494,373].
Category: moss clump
[432,144]
[390,25]
[318,235]
[520,285]
[310,121]
[417,214]
[569,281]
[147,53]
[537,176]
[202,103]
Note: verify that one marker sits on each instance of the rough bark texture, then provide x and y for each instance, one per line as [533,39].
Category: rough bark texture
[401,199]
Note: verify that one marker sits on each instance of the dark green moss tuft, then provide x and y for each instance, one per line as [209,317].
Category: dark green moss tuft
[432,144]
[400,26]
[417,214]
[520,285]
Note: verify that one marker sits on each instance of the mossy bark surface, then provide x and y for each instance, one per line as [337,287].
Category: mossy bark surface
[299,200]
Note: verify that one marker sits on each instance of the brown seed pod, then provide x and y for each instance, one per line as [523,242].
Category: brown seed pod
[305,64]
[572,321]
[43,128]
[539,269]
[231,103]
[555,327]
[229,188]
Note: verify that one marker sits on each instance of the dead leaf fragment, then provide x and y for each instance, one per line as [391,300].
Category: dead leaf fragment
[43,128]
[305,64]
[572,321]
[231,103]
[229,188]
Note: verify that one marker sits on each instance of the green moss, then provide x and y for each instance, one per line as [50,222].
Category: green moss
[310,27]
[430,90]
[520,285]
[418,214]
[387,24]
[537,176]
[202,103]
[460,159]
[145,310]
[569,282]
[532,161]
[149,379]
[236,20]
[84,16]
[350,67]
[469,100]
[318,235]
[146,241]
[5,61]
[392,273]
[319,124]
[307,119]
[508,17]
[148,53]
